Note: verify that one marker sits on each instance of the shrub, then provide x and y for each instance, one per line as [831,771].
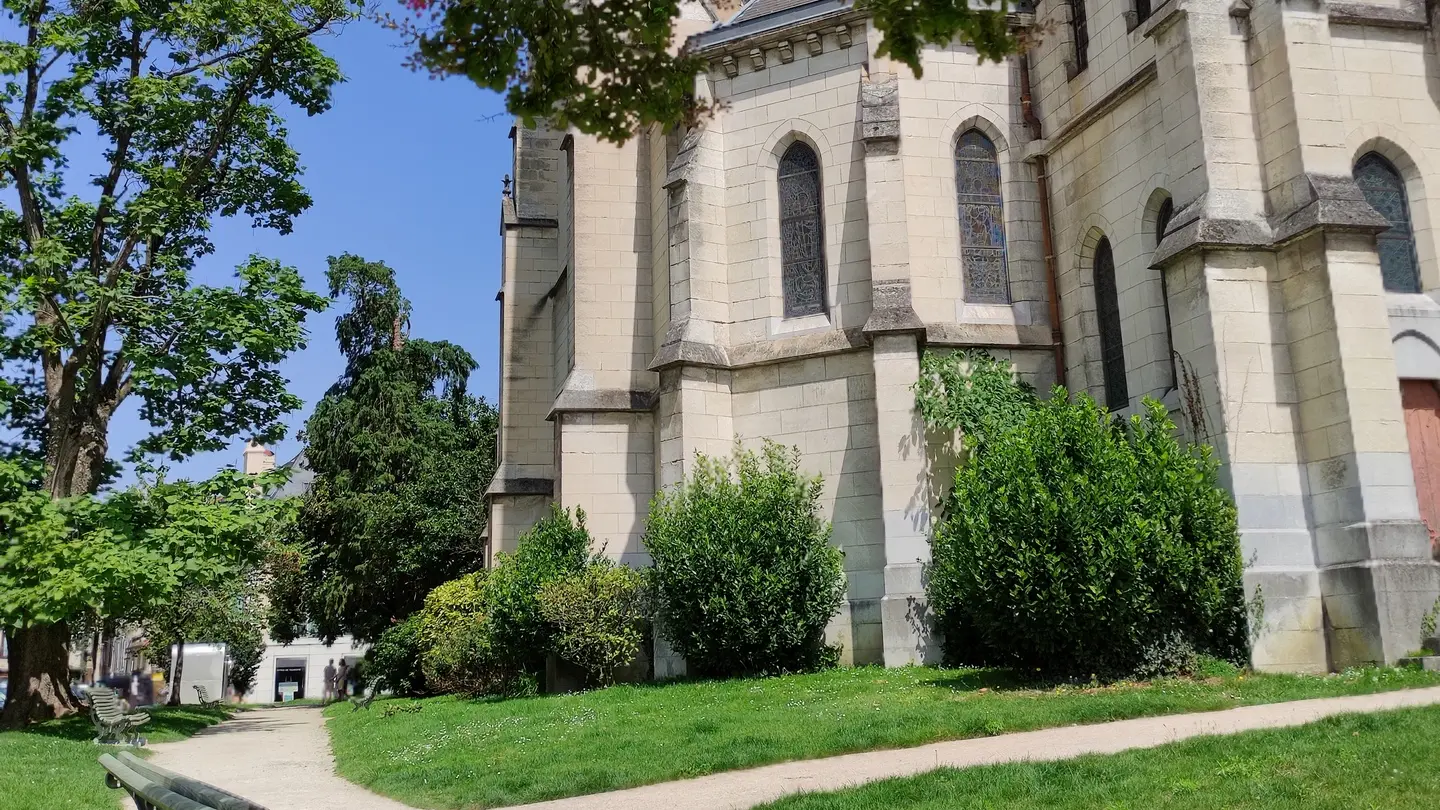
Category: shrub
[394,662]
[1073,542]
[450,606]
[597,618]
[556,547]
[744,578]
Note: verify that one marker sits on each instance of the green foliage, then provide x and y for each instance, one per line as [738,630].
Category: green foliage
[450,607]
[1075,543]
[555,548]
[744,578]
[612,68]
[394,661]
[99,238]
[128,555]
[402,457]
[598,618]
[228,612]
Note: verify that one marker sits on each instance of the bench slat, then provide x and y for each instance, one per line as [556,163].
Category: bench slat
[203,792]
[150,791]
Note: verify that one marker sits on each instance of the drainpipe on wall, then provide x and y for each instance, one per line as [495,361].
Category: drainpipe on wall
[1042,187]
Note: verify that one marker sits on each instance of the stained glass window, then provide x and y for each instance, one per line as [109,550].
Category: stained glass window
[802,235]
[1112,345]
[1080,29]
[982,220]
[1142,10]
[1385,192]
[1162,221]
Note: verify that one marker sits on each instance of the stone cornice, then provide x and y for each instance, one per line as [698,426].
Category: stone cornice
[1076,125]
[602,400]
[1409,16]
[510,220]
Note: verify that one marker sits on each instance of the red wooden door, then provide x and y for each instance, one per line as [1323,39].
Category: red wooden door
[1421,401]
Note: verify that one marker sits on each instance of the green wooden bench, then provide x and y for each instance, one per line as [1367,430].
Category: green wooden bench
[154,788]
[205,701]
[112,723]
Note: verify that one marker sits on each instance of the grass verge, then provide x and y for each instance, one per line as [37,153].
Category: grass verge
[54,766]
[454,753]
[1352,762]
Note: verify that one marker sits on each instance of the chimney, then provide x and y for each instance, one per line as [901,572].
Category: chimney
[257,458]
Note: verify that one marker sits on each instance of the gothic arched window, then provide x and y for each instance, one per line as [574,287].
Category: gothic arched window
[982,219]
[1112,345]
[802,235]
[1162,221]
[1080,31]
[1385,192]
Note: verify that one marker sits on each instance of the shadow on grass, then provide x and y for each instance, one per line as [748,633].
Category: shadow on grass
[166,723]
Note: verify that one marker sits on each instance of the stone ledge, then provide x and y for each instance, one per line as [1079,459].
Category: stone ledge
[504,485]
[892,309]
[1409,17]
[509,219]
[602,400]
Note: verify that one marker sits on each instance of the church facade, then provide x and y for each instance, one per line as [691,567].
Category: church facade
[1226,205]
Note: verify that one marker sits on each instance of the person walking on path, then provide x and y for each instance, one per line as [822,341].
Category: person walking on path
[342,680]
[328,693]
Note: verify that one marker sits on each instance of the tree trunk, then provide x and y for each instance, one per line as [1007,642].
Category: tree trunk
[179,666]
[92,672]
[39,676]
[39,659]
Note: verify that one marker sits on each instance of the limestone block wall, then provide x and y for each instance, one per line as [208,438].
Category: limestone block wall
[1385,101]
[612,283]
[607,468]
[826,407]
[1115,55]
[814,99]
[956,94]
[1108,180]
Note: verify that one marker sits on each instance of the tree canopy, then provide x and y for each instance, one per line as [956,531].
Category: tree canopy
[611,68]
[402,455]
[126,129]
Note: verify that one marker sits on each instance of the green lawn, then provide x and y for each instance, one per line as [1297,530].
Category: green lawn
[54,766]
[455,753]
[1350,762]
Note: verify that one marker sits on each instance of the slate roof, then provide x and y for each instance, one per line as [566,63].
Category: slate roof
[761,8]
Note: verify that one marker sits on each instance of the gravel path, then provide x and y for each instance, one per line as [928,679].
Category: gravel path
[279,758]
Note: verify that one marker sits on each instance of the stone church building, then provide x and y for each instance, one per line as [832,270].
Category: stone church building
[1228,205]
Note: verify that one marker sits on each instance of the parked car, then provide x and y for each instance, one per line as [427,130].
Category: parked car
[4,689]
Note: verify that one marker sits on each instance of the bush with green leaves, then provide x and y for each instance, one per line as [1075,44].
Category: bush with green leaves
[744,578]
[394,662]
[555,548]
[597,618]
[1074,542]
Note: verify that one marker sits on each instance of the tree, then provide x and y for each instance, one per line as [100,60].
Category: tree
[402,456]
[611,68]
[128,557]
[99,303]
[230,612]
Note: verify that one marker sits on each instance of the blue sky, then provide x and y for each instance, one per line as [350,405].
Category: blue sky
[403,169]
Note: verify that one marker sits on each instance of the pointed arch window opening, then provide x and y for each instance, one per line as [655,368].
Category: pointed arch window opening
[1162,221]
[1080,31]
[982,219]
[1112,343]
[802,233]
[1384,189]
